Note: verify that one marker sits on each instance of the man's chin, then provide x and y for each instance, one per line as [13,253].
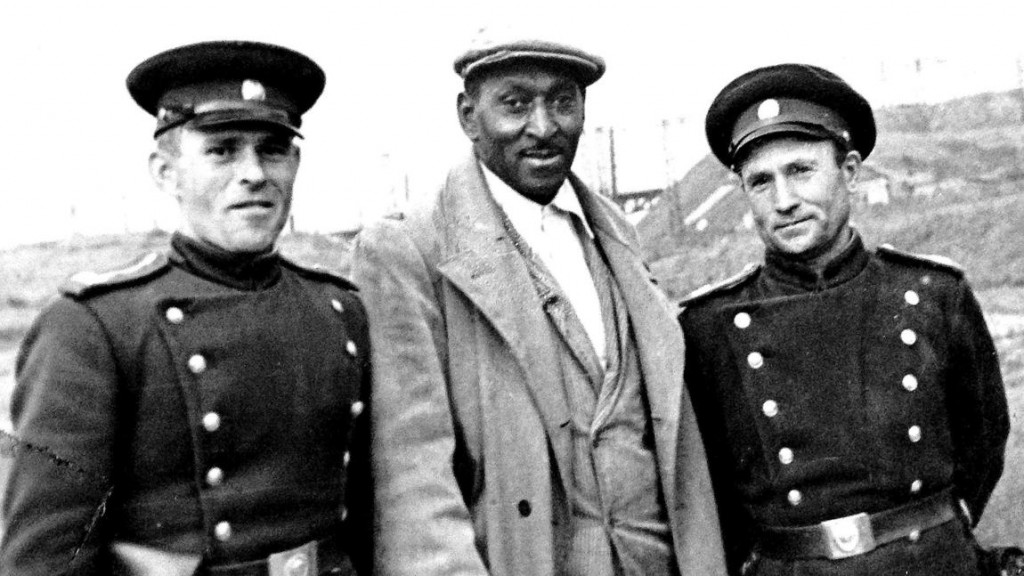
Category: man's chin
[797,248]
[542,185]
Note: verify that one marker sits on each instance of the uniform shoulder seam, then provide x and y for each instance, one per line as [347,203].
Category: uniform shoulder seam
[708,290]
[89,283]
[887,251]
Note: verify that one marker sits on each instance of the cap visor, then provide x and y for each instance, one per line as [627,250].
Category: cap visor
[223,118]
[782,128]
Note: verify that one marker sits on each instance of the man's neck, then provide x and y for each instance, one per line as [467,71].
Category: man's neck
[819,262]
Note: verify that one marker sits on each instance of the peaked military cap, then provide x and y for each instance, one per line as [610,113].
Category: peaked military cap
[493,47]
[788,98]
[227,82]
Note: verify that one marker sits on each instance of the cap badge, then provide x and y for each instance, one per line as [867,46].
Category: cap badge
[253,90]
[768,109]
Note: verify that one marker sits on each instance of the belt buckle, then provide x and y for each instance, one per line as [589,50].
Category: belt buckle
[849,536]
[300,561]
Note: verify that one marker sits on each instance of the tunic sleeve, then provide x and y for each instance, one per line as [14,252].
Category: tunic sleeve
[702,384]
[977,407]
[63,410]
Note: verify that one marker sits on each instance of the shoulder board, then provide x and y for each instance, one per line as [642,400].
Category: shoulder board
[320,272]
[88,282]
[748,272]
[941,262]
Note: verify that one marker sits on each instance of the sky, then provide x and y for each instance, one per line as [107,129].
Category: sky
[74,154]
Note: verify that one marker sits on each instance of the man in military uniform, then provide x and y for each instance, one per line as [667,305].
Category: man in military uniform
[200,411]
[529,414]
[850,399]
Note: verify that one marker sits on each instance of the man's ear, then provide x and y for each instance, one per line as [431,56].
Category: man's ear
[466,106]
[851,168]
[163,172]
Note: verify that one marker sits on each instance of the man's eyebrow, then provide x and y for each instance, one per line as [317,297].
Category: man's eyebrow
[222,137]
[564,84]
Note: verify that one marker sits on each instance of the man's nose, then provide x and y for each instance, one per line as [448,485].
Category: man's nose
[540,123]
[785,197]
[250,168]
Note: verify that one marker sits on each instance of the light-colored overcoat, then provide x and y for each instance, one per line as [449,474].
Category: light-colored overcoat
[472,445]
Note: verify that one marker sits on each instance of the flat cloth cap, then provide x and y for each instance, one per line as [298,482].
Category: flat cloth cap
[489,49]
[227,82]
[787,99]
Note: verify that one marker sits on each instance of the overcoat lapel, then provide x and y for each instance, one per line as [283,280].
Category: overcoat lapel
[484,265]
[661,354]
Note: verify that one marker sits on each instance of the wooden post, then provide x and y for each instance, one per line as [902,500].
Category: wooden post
[611,158]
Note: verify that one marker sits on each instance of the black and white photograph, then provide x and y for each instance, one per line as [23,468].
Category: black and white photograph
[538,288]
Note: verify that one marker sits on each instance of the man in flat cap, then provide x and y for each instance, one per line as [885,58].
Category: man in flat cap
[202,410]
[529,414]
[850,399]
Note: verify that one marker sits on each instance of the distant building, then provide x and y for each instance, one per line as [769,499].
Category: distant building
[874,186]
[875,191]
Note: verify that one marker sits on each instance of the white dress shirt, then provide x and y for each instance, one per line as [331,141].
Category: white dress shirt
[549,232]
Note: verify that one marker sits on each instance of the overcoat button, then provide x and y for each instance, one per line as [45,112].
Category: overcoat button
[297,565]
[770,408]
[211,421]
[795,497]
[357,408]
[524,508]
[222,531]
[214,476]
[350,347]
[910,382]
[914,433]
[912,298]
[786,456]
[915,486]
[908,336]
[197,364]
[346,458]
[344,513]
[755,360]
[336,304]
[742,320]
[174,315]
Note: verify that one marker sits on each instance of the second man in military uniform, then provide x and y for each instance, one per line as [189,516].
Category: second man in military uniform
[850,399]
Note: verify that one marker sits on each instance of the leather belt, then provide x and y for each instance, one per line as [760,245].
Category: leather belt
[315,557]
[859,533]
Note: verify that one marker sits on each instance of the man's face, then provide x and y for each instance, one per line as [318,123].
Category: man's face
[525,122]
[234,184]
[800,196]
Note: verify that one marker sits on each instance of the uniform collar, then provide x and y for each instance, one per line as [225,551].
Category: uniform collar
[845,266]
[237,270]
[521,209]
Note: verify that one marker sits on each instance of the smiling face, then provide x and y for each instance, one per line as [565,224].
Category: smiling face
[234,185]
[525,121]
[800,196]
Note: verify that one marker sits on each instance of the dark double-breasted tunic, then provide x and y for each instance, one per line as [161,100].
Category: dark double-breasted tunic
[197,403]
[866,387]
